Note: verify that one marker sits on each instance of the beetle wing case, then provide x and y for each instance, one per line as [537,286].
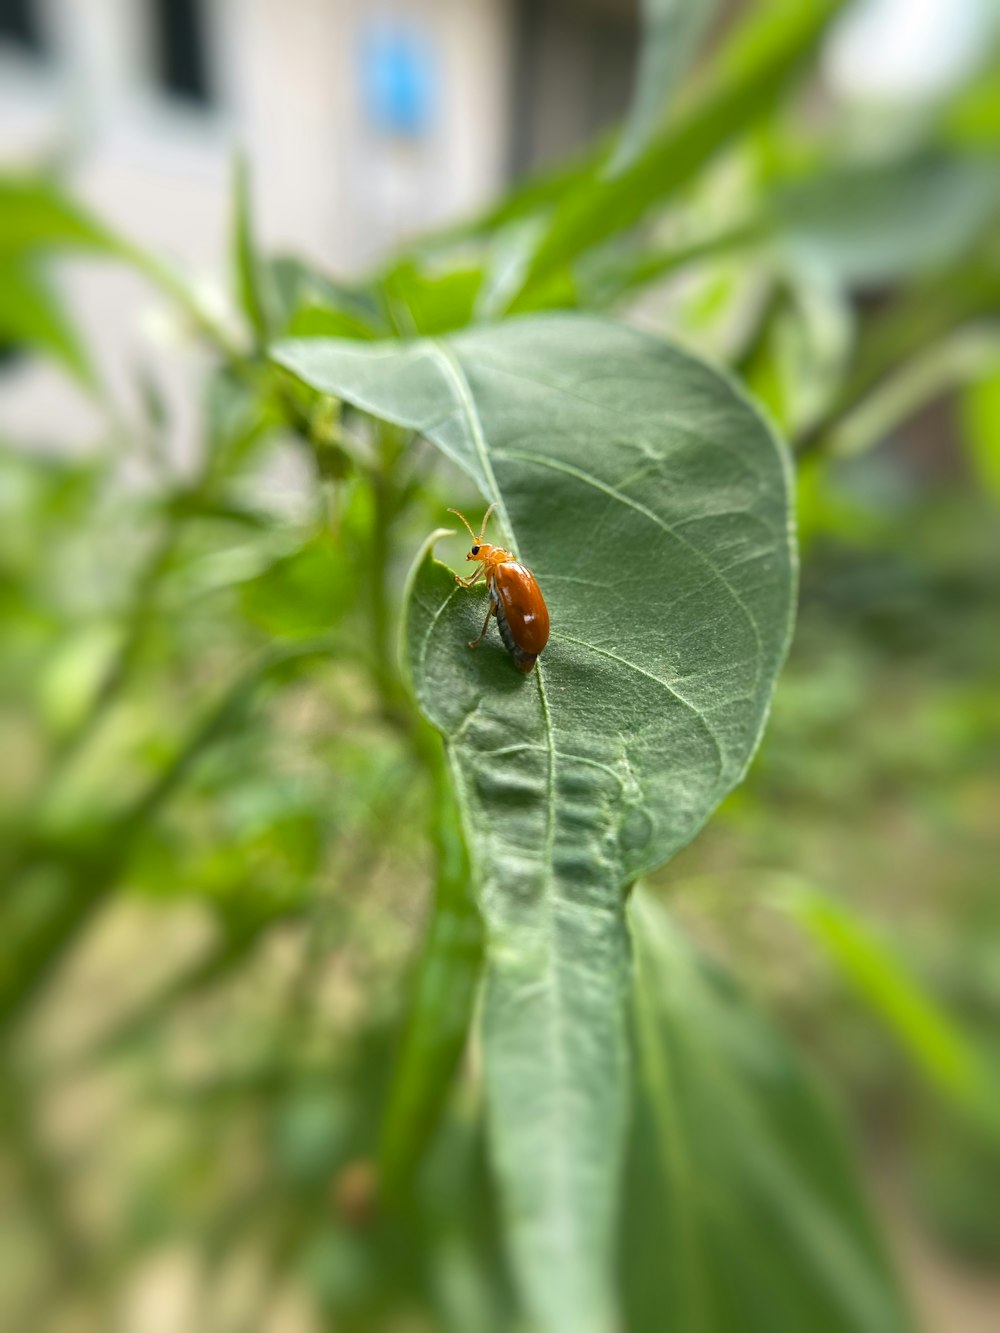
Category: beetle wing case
[522,616]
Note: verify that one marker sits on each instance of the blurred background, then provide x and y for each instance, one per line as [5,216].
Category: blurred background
[202,943]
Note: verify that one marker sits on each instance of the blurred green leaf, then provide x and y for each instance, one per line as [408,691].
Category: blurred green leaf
[924,313]
[742,1208]
[35,215]
[249,272]
[614,271]
[423,302]
[80,868]
[31,314]
[799,357]
[526,200]
[652,504]
[672,31]
[767,52]
[444,992]
[971,118]
[507,259]
[854,225]
[301,594]
[309,303]
[320,321]
[981,432]
[932,1040]
[71,681]
[880,222]
[949,363]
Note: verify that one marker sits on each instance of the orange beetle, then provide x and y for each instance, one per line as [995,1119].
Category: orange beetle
[515,598]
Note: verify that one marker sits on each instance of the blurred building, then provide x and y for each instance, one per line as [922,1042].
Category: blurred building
[366,121]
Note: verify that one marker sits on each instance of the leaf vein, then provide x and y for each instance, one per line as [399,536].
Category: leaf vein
[587,478]
[671,690]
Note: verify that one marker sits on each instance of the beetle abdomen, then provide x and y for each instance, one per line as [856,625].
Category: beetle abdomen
[522,660]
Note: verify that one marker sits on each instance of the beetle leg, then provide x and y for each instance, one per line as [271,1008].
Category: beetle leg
[467,583]
[486,625]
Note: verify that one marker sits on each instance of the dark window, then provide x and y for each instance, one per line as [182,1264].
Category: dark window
[179,49]
[19,24]
[574,69]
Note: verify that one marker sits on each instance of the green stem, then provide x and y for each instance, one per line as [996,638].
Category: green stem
[121,668]
[444,987]
[908,328]
[162,276]
[617,279]
[387,502]
[41,1181]
[86,875]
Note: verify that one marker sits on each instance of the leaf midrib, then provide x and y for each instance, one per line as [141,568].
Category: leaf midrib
[455,374]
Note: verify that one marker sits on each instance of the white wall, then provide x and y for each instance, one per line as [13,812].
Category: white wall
[325,183]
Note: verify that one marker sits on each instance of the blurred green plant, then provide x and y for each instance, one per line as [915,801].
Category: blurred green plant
[205,711]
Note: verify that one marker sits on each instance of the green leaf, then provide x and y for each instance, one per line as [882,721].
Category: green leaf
[981,432]
[249,273]
[771,48]
[526,200]
[853,224]
[935,1043]
[320,321]
[419,300]
[611,272]
[310,304]
[742,1206]
[962,358]
[920,317]
[82,873]
[444,991]
[303,593]
[31,314]
[879,222]
[34,215]
[672,31]
[653,506]
[972,116]
[507,261]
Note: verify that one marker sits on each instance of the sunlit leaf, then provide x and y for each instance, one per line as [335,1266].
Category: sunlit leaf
[972,116]
[981,432]
[34,215]
[421,301]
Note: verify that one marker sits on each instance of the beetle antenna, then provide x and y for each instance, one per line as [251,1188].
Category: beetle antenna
[486,519]
[465,521]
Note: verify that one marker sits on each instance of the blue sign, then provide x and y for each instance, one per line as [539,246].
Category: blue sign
[399,80]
